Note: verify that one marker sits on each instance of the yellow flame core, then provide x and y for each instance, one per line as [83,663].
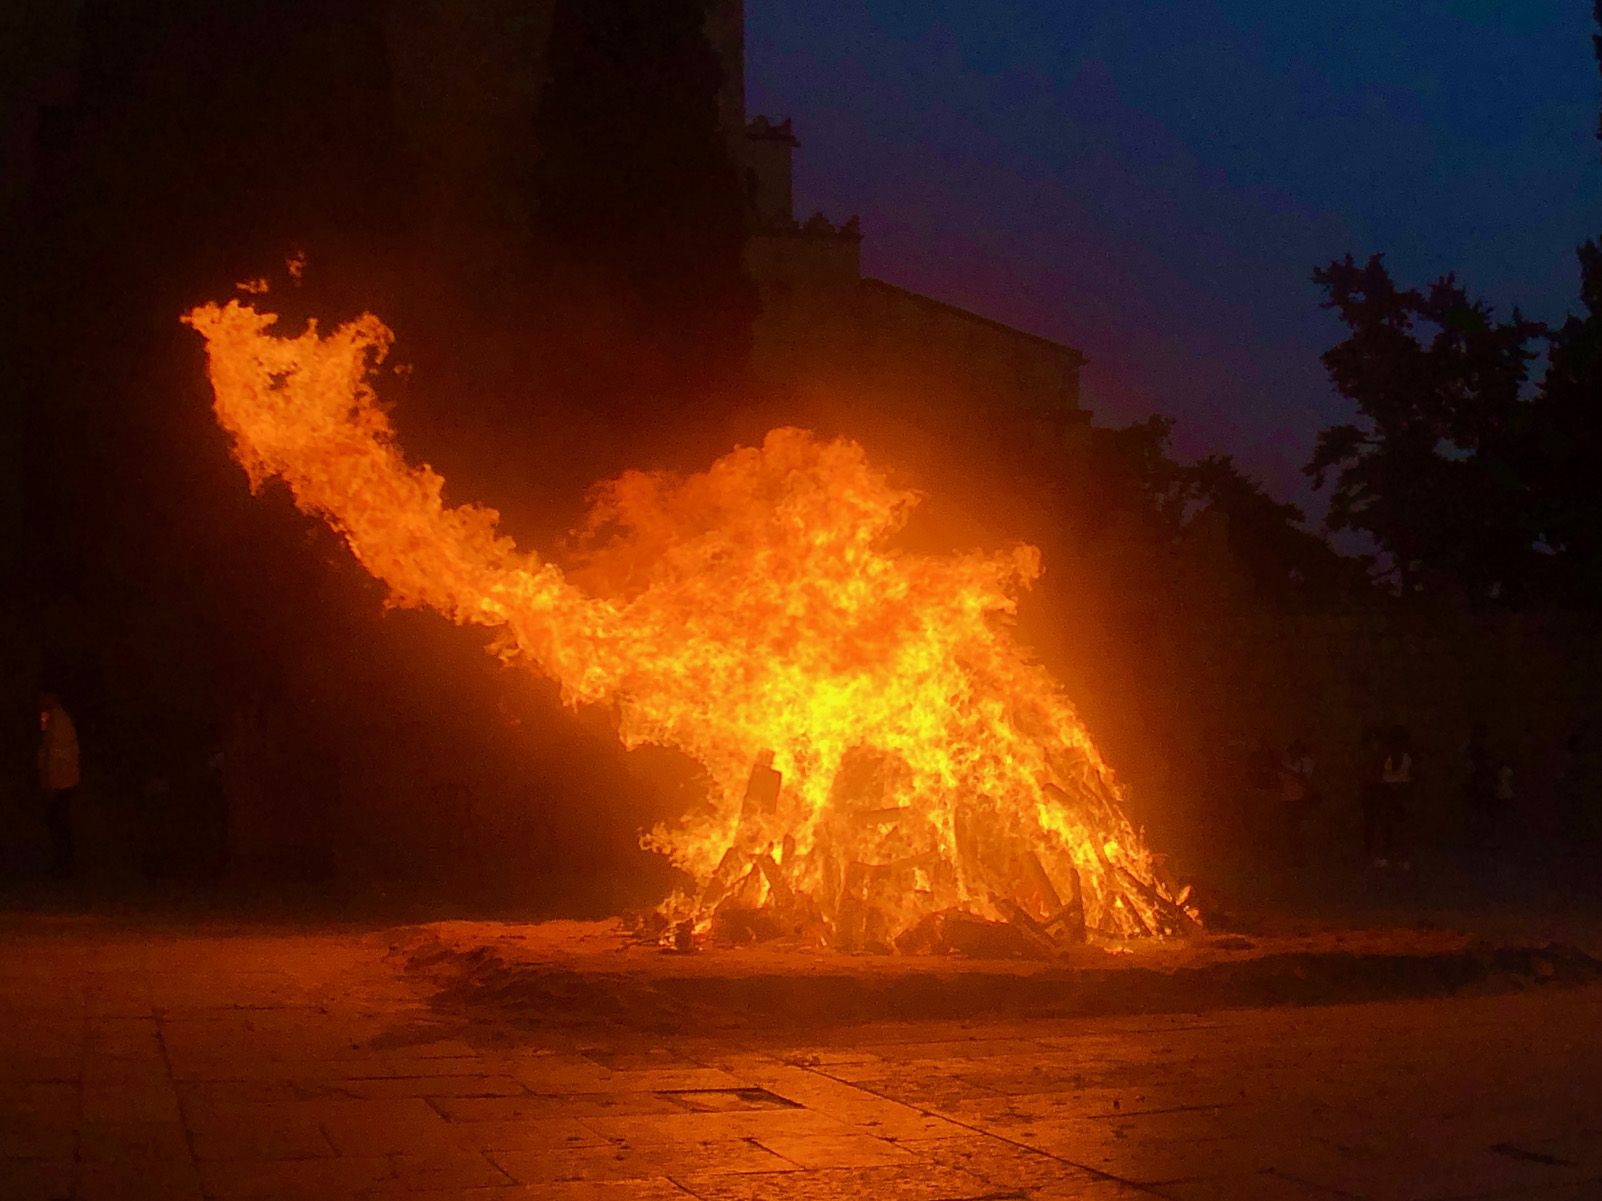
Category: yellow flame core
[927,762]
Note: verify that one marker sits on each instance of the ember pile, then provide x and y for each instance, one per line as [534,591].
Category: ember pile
[884,882]
[886,766]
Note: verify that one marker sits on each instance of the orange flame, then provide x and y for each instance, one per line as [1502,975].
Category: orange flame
[911,758]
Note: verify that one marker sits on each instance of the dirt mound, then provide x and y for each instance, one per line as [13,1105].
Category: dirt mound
[579,975]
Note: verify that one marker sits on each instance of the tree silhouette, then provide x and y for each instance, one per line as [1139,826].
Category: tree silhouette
[1569,423]
[1434,471]
[1568,442]
[1458,475]
[1117,479]
[1281,558]
[1596,46]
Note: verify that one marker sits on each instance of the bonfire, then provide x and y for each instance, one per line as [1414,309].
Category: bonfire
[887,766]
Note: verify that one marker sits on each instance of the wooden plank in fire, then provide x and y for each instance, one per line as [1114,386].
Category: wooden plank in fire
[1020,918]
[761,790]
[1071,917]
[1177,918]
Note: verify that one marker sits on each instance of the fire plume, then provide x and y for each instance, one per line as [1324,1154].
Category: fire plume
[879,748]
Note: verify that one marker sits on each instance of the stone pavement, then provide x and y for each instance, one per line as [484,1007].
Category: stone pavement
[140,1060]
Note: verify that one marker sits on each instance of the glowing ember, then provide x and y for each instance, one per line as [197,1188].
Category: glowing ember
[882,754]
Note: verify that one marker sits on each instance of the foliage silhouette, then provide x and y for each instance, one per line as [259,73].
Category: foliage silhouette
[1434,468]
[1467,479]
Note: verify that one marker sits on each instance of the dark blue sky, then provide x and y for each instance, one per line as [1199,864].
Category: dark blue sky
[1154,182]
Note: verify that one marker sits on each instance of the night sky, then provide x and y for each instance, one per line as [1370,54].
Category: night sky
[1154,182]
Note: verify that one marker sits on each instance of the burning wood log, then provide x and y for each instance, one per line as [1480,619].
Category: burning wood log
[958,932]
[762,788]
[1070,919]
[780,895]
[1175,918]
[1039,884]
[1036,934]
[1137,919]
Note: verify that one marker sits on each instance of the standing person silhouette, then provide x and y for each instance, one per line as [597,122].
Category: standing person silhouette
[1479,790]
[1297,797]
[58,778]
[1371,766]
[1396,792]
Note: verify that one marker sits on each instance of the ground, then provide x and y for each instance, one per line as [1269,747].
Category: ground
[146,1058]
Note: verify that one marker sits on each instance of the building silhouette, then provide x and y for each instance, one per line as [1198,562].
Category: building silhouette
[466,81]
[119,469]
[827,336]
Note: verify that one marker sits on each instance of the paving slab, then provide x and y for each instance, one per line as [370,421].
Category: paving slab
[28,1179]
[621,1161]
[205,1065]
[918,1182]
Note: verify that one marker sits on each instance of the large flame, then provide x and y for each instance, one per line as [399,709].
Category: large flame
[879,747]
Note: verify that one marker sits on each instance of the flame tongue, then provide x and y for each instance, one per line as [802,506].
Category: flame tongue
[910,758]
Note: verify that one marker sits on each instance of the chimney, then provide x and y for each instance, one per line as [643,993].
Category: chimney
[769,149]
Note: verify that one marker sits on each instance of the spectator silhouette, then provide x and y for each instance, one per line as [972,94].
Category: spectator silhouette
[58,778]
[1392,846]
[1479,790]
[1297,797]
[1371,766]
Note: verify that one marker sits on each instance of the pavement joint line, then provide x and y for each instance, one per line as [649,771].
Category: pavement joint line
[1533,1193]
[800,1167]
[1096,1172]
[159,1014]
[1314,1185]
[681,1186]
[1143,1113]
[82,1092]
